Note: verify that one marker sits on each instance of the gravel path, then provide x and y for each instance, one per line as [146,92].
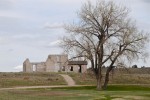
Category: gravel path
[68,79]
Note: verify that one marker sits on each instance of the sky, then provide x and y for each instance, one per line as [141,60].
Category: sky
[33,28]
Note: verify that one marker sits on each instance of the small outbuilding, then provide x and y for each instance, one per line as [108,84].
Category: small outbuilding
[77,66]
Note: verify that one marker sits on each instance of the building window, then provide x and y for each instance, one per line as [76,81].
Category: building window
[80,69]
[34,68]
[71,68]
[63,68]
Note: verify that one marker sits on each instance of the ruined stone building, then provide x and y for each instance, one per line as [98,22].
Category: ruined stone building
[55,63]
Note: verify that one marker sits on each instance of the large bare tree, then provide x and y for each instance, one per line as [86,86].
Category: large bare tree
[104,34]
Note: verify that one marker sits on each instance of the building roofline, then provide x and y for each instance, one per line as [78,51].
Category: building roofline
[77,62]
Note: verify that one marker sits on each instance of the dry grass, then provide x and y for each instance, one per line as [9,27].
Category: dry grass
[30,79]
[132,76]
[119,76]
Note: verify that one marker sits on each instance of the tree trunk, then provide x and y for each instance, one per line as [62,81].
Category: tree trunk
[106,80]
[107,77]
[99,81]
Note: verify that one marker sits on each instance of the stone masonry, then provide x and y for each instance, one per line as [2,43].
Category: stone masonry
[55,63]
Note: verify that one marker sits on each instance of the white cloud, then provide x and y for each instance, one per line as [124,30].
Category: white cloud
[1,40]
[66,2]
[6,4]
[4,40]
[53,25]
[25,35]
[147,1]
[18,68]
[54,43]
[144,26]
[16,15]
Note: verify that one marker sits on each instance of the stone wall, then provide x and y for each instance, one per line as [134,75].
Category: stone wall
[27,66]
[55,63]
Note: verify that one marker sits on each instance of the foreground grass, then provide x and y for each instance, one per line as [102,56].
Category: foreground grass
[114,92]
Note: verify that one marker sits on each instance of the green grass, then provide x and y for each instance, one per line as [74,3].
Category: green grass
[114,92]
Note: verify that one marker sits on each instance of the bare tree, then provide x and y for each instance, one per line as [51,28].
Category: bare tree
[104,34]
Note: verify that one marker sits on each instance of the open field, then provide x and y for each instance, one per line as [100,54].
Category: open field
[139,88]
[48,79]
[30,79]
[114,92]
[118,76]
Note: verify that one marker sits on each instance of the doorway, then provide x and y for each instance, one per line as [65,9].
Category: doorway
[80,69]
[71,68]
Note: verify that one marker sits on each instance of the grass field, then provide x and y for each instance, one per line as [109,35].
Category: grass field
[47,79]
[116,78]
[30,79]
[114,92]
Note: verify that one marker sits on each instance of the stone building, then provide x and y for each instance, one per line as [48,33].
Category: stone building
[55,63]
[77,66]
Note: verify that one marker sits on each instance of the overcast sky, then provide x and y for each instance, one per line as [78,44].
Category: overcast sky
[32,28]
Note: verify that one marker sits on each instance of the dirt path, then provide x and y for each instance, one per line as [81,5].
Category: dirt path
[68,79]
[31,87]
[36,87]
